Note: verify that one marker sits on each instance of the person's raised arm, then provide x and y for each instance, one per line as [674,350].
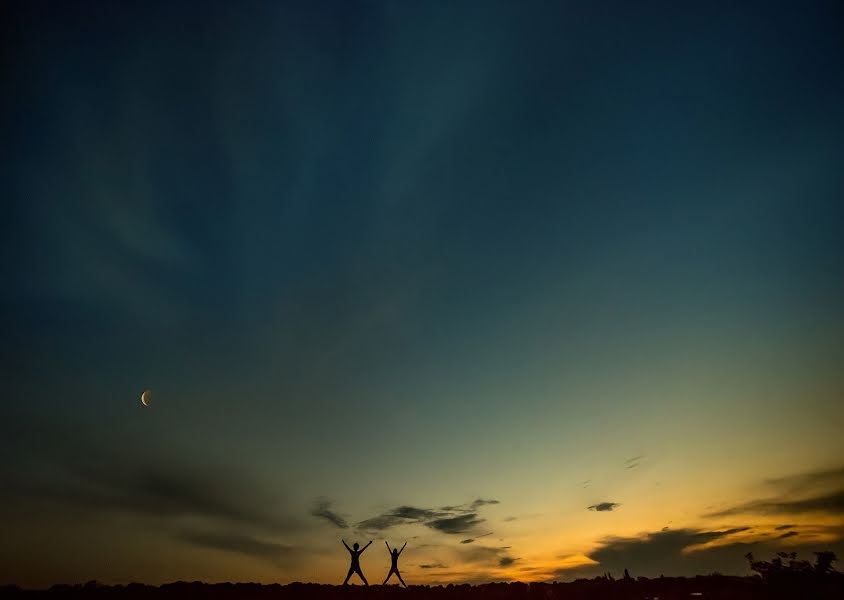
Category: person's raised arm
[346,545]
[402,548]
[365,547]
[388,546]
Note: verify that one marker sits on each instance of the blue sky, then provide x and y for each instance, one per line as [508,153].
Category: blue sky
[371,256]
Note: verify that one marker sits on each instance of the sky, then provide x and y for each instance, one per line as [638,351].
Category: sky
[545,289]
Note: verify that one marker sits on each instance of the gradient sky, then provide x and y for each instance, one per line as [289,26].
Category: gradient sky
[545,288]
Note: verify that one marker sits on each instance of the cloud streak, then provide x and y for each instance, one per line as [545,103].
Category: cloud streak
[828,503]
[322,509]
[819,491]
[238,544]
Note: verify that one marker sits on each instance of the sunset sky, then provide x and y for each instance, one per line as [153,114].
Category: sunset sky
[545,289]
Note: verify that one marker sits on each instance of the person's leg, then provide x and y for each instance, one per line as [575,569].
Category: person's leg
[349,574]
[360,574]
[400,579]
[390,574]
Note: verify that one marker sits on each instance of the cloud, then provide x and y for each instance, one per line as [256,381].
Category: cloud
[322,509]
[604,506]
[414,514]
[452,525]
[820,491]
[474,539]
[782,527]
[448,519]
[684,552]
[488,555]
[239,544]
[787,534]
[661,552]
[632,463]
[399,516]
[832,503]
[810,479]
[433,566]
[481,502]
[167,489]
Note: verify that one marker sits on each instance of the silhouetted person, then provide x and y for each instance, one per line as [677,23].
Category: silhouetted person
[394,568]
[355,566]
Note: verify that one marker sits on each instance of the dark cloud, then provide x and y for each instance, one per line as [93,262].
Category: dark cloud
[400,516]
[459,524]
[322,509]
[604,506]
[488,555]
[433,566]
[823,477]
[670,553]
[474,539]
[169,489]
[782,527]
[509,519]
[448,519]
[415,514]
[239,544]
[832,503]
[661,552]
[819,491]
[787,534]
[481,502]
[380,522]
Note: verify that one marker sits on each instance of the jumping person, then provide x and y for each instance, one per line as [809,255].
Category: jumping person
[394,568]
[355,566]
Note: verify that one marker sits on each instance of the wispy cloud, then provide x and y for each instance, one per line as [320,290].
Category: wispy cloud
[811,492]
[238,544]
[632,463]
[474,539]
[171,489]
[481,502]
[488,555]
[322,509]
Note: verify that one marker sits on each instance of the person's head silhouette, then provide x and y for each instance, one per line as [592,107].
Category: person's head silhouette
[355,546]
[395,552]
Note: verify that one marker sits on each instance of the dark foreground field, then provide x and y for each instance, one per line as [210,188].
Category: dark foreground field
[667,588]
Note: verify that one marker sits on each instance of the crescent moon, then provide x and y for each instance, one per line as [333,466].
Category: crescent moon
[145,397]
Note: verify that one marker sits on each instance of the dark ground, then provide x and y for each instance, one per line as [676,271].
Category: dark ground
[667,588]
